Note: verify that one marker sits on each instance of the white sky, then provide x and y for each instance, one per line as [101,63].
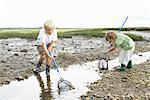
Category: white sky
[74,13]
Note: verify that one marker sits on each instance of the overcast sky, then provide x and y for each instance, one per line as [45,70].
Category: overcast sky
[74,13]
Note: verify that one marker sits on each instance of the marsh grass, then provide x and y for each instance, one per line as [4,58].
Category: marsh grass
[83,32]
[19,33]
[32,33]
[136,37]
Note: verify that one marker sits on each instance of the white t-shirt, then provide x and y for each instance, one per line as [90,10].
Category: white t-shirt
[43,37]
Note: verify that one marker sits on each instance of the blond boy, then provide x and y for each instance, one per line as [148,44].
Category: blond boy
[46,41]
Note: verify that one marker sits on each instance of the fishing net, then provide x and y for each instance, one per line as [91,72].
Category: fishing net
[64,85]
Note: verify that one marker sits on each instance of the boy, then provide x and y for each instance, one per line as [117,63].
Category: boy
[127,46]
[46,41]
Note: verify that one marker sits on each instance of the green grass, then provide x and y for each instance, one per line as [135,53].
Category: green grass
[62,33]
[136,37]
[32,33]
[130,29]
[83,32]
[19,33]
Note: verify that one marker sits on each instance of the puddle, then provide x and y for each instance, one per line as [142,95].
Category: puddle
[40,87]
[137,59]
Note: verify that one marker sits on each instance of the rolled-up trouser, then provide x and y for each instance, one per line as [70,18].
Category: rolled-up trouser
[125,56]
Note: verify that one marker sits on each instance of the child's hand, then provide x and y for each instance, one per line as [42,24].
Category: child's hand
[51,55]
[111,49]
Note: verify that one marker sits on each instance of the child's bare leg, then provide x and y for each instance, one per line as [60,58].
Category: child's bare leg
[42,57]
[40,60]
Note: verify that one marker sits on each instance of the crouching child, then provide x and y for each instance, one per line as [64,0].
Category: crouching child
[126,45]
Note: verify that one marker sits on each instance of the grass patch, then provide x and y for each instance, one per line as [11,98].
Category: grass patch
[136,37]
[62,33]
[19,33]
[130,29]
[83,32]
[32,33]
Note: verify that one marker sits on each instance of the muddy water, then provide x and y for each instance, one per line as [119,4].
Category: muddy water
[37,87]
[19,56]
[137,59]
[40,87]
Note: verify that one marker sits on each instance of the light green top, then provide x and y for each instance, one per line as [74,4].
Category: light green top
[124,42]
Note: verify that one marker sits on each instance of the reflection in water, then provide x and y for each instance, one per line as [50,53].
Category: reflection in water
[46,92]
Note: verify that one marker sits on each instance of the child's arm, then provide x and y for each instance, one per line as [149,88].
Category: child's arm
[51,45]
[112,48]
[46,50]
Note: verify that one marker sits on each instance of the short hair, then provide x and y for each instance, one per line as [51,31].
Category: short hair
[110,35]
[48,23]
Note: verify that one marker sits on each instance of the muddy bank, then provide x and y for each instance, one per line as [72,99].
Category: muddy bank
[19,56]
[133,84]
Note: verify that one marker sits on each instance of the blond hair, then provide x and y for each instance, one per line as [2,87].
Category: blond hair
[110,35]
[48,24]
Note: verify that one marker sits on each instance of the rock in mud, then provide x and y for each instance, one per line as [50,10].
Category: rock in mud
[3,61]
[19,78]
[9,50]
[16,54]
[24,50]
[7,82]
